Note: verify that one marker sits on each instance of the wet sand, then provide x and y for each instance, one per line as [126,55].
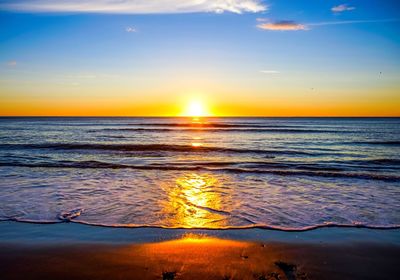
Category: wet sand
[76,251]
[198,257]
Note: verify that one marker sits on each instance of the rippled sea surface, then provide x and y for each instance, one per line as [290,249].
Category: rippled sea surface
[286,173]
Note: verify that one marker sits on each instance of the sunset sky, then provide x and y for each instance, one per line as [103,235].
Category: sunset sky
[236,57]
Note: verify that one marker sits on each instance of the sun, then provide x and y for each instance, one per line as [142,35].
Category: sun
[196,108]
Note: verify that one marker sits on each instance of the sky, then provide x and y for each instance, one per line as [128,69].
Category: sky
[236,57]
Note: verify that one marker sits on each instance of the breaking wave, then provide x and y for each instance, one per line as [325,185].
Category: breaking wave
[254,226]
[230,167]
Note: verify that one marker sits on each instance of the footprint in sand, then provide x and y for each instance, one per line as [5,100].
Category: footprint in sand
[290,271]
[168,275]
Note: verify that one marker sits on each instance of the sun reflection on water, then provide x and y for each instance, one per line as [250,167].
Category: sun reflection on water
[193,202]
[198,122]
[196,144]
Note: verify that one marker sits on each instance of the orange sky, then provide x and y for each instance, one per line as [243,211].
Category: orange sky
[307,105]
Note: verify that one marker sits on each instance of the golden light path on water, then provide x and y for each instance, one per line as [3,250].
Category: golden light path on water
[194,200]
[194,203]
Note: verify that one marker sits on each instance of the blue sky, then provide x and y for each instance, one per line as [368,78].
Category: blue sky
[236,53]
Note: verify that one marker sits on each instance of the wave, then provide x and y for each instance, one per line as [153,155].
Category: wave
[147,148]
[383,143]
[380,161]
[253,226]
[212,124]
[284,170]
[219,129]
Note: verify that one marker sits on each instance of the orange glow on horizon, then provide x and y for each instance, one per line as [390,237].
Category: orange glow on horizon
[269,106]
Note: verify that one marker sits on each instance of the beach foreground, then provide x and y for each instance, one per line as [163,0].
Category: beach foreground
[206,258]
[185,254]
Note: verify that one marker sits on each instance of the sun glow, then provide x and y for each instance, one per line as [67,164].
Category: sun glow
[196,108]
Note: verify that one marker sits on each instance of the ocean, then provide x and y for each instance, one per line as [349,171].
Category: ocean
[215,173]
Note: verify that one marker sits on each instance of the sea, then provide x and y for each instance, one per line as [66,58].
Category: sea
[277,173]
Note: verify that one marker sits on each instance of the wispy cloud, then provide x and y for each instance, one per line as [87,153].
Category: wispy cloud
[352,22]
[293,26]
[130,29]
[136,6]
[11,63]
[342,8]
[283,25]
[89,76]
[269,72]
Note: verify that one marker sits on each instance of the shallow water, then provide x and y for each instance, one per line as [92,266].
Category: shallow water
[286,173]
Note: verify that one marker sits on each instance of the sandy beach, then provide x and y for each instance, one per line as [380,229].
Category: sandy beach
[201,259]
[72,251]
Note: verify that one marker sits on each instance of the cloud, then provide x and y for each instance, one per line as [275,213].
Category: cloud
[342,8]
[89,76]
[292,26]
[130,29]
[269,72]
[135,6]
[261,19]
[352,22]
[12,63]
[283,25]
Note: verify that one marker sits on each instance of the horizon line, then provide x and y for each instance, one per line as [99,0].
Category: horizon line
[158,116]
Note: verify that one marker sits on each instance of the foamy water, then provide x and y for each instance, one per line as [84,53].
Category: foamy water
[284,173]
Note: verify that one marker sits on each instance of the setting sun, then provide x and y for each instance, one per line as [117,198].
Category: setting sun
[196,108]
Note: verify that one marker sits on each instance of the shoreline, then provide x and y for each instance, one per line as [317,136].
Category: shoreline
[76,251]
[36,233]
